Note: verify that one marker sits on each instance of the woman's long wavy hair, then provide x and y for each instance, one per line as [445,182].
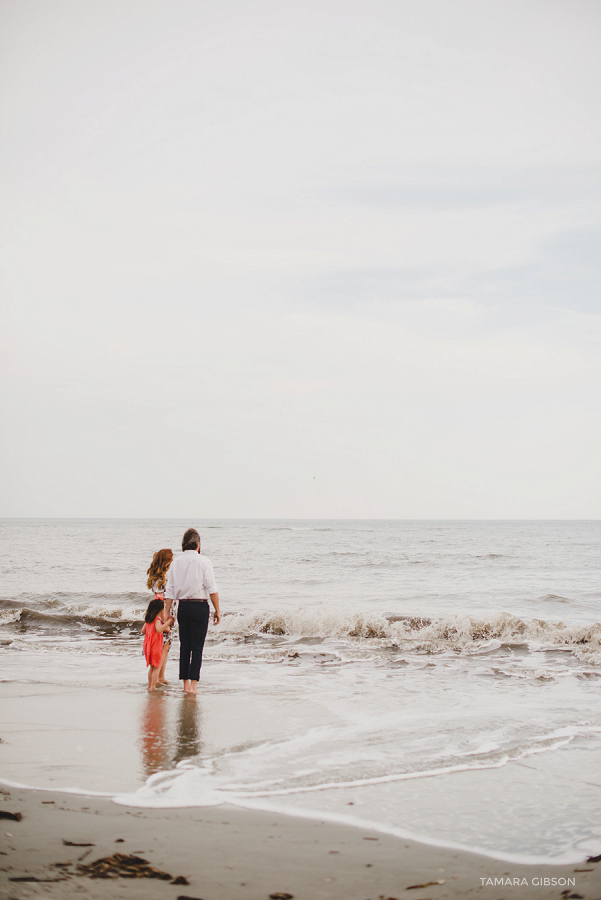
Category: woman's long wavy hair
[157,573]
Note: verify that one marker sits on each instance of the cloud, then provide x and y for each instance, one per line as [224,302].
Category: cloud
[440,188]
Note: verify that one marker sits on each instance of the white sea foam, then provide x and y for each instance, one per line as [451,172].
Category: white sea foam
[191,785]
[204,785]
[461,632]
[9,616]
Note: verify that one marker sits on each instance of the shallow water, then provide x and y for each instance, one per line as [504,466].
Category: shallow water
[436,679]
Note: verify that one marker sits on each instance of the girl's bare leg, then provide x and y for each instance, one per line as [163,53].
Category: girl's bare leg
[153,677]
[162,679]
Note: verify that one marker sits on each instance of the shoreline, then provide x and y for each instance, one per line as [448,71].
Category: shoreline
[227,852]
[126,801]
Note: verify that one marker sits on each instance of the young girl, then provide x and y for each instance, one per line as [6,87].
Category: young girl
[157,580]
[153,631]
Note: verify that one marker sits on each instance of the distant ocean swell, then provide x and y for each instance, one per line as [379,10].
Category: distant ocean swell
[113,614]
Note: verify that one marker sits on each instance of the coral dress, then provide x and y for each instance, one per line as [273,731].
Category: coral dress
[153,644]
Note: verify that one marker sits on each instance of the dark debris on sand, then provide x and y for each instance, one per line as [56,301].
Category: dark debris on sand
[120,865]
[14,817]
[414,887]
[35,878]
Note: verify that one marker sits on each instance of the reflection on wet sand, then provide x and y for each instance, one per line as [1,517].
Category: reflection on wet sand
[153,744]
[188,725]
[162,746]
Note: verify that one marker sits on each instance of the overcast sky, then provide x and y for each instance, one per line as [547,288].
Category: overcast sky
[310,259]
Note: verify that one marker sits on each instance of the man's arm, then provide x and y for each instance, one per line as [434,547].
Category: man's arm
[215,601]
[169,592]
[210,585]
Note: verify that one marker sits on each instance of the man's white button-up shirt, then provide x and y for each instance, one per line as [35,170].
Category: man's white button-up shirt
[190,577]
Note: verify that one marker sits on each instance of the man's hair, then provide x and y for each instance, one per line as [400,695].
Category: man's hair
[191,540]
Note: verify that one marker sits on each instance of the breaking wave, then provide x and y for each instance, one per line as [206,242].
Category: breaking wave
[102,613]
[118,614]
[461,632]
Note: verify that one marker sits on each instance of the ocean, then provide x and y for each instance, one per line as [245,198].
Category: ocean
[435,680]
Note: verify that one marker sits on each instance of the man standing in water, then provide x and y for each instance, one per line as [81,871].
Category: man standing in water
[190,585]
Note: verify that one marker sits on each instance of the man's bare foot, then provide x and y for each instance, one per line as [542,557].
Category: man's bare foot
[191,689]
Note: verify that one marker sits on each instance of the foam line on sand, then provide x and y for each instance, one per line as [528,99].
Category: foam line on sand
[227,853]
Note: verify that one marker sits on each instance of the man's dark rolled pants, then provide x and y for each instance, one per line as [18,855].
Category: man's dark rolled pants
[193,621]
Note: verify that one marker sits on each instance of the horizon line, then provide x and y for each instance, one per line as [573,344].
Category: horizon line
[272,519]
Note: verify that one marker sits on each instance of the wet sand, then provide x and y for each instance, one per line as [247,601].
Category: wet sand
[227,853]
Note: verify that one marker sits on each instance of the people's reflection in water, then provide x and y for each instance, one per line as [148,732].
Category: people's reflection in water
[154,741]
[188,729]
[162,749]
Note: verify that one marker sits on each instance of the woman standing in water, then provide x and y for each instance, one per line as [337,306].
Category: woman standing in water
[157,580]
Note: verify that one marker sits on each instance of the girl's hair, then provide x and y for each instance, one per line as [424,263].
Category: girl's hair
[157,573]
[154,608]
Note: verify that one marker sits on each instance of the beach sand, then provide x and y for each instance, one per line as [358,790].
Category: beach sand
[226,852]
